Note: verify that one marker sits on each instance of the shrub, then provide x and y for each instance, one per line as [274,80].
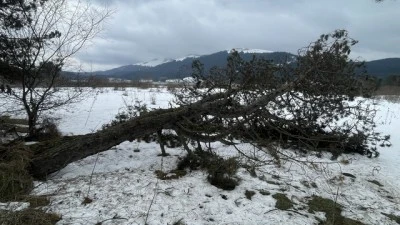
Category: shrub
[221,172]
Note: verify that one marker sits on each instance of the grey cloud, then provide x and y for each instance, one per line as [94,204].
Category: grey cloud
[142,30]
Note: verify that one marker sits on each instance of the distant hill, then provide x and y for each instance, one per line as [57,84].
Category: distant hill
[383,67]
[179,68]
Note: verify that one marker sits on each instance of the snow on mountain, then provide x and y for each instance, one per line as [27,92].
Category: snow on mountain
[246,50]
[154,62]
[186,57]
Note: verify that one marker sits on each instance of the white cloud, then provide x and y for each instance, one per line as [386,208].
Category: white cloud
[142,30]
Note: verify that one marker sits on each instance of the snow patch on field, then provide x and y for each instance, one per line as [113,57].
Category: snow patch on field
[102,106]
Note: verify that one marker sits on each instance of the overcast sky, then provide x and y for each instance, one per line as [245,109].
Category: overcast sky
[142,30]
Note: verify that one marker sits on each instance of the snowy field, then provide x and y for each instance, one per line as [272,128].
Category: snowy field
[125,190]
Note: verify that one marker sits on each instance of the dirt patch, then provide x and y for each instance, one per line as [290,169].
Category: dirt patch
[264,192]
[392,217]
[375,182]
[332,212]
[87,200]
[349,175]
[249,194]
[308,184]
[282,201]
[171,175]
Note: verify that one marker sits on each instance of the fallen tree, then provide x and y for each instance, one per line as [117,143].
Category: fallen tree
[53,155]
[309,104]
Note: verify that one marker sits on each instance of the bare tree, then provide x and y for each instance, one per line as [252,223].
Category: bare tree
[36,51]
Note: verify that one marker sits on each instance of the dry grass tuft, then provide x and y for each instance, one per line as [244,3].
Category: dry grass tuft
[28,216]
[35,201]
[15,180]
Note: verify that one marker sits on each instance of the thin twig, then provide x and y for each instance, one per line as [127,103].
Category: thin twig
[154,195]
[91,107]
[91,175]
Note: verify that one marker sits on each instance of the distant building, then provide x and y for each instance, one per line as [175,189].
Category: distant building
[174,81]
[186,81]
[145,81]
[118,80]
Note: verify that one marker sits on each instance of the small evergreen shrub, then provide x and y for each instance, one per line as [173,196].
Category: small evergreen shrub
[221,172]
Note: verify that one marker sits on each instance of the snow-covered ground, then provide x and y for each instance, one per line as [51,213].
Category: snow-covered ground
[124,189]
[103,104]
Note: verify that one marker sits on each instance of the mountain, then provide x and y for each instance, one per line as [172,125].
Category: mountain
[122,69]
[383,67]
[161,69]
[179,68]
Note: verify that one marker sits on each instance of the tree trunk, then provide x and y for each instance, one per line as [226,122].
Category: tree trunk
[32,124]
[161,141]
[52,156]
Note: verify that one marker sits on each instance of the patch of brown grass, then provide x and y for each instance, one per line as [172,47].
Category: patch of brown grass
[332,212]
[282,201]
[28,216]
[392,217]
[35,201]
[15,180]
